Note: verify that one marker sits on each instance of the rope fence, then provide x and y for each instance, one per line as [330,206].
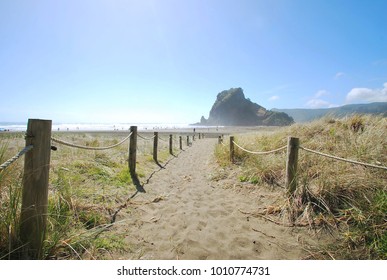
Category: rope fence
[147,138]
[72,145]
[16,157]
[162,139]
[310,151]
[260,153]
[35,188]
[292,159]
[343,159]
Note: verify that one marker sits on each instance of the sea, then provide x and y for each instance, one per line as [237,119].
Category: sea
[18,126]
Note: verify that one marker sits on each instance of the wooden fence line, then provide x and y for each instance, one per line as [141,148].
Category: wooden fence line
[33,217]
[293,148]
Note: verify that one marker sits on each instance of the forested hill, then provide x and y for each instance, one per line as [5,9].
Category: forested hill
[306,115]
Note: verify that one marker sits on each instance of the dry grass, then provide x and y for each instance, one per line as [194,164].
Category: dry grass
[341,197]
[86,191]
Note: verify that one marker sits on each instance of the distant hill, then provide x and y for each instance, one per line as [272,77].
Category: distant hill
[306,115]
[231,108]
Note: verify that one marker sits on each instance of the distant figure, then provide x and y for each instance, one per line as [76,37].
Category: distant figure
[194,130]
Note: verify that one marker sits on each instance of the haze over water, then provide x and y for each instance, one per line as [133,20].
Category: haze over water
[18,126]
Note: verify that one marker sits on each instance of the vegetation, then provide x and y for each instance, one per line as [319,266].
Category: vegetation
[346,199]
[307,115]
[86,191]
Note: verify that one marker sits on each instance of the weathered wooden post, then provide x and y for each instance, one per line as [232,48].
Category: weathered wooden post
[181,142]
[132,150]
[170,144]
[200,136]
[291,165]
[219,140]
[187,140]
[193,137]
[33,217]
[155,145]
[232,150]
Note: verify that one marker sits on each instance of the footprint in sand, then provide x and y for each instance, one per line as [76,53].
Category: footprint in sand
[199,221]
[202,225]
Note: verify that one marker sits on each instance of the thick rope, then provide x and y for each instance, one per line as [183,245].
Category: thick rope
[13,159]
[89,148]
[146,138]
[343,159]
[260,153]
[165,140]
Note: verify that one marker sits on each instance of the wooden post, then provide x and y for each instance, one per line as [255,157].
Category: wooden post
[132,150]
[33,217]
[181,142]
[193,137]
[291,165]
[219,140]
[232,150]
[170,144]
[155,145]
[187,140]
[200,136]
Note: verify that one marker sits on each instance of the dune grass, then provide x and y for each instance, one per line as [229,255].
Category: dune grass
[86,189]
[347,199]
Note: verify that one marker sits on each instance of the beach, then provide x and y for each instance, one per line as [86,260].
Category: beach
[191,209]
[184,207]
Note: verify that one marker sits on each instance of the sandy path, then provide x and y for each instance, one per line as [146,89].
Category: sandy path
[185,215]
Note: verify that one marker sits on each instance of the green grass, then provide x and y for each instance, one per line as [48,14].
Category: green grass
[123,177]
[85,189]
[10,203]
[346,198]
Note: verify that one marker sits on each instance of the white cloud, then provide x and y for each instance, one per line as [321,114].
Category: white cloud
[318,103]
[367,95]
[321,93]
[274,98]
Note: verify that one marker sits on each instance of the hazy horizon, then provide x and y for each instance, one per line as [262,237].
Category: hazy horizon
[101,122]
[165,61]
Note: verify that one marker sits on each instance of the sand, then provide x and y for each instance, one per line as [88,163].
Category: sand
[185,214]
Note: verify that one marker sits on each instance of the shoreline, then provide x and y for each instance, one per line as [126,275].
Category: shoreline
[185,130]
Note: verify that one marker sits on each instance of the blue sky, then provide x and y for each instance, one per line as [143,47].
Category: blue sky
[166,60]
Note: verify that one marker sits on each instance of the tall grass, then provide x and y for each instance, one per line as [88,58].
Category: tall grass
[85,190]
[345,198]
[10,201]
